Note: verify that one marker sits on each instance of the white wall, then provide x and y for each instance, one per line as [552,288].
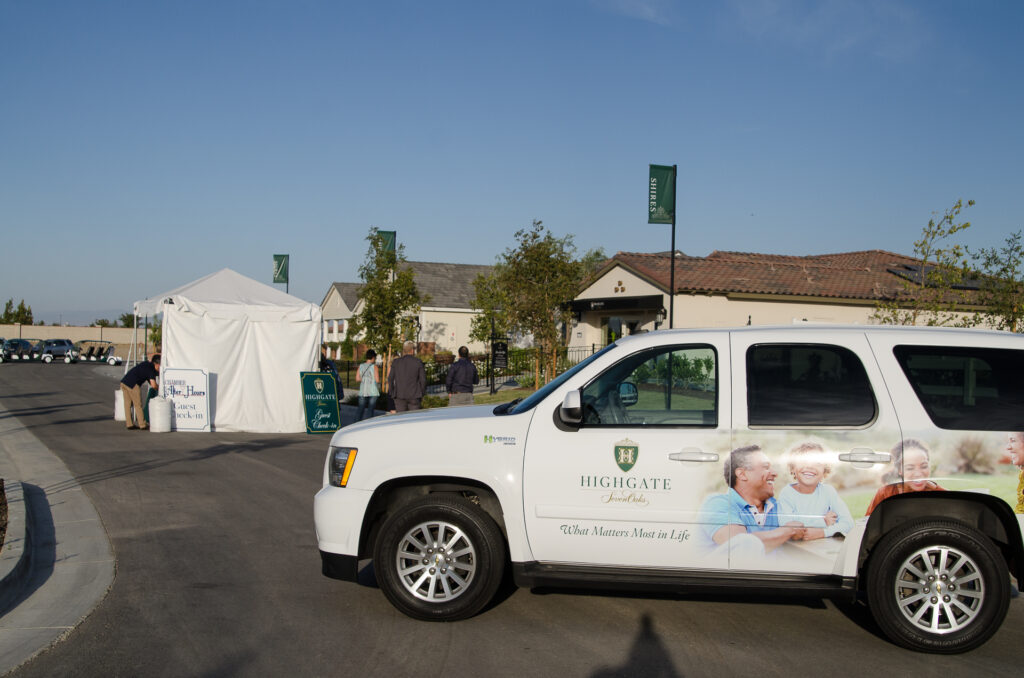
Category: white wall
[449,329]
[334,308]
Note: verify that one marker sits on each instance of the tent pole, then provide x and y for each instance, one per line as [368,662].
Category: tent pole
[134,352]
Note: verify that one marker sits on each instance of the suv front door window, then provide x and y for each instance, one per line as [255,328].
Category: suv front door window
[625,487]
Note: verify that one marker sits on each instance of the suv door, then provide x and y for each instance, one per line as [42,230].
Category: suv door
[624,487]
[818,409]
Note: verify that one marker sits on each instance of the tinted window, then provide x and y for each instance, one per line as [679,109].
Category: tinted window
[666,386]
[977,389]
[807,385]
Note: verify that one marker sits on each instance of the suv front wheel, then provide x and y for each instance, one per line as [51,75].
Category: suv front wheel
[440,558]
[938,586]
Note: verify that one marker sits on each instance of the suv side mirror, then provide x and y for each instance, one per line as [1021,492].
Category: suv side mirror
[571,411]
[628,394]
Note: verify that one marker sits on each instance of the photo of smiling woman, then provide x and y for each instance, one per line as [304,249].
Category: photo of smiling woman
[911,460]
[1015,446]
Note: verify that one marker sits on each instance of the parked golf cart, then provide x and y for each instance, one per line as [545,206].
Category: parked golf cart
[96,351]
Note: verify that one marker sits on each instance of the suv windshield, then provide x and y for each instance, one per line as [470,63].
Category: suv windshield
[542,393]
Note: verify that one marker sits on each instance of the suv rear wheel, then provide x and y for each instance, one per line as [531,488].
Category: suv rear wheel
[47,358]
[440,558]
[938,586]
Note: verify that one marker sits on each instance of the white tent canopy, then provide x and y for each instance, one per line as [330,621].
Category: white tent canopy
[252,339]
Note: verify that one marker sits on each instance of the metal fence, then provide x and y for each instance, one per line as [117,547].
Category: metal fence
[518,372]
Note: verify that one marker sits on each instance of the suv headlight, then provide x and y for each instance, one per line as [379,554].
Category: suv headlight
[341,461]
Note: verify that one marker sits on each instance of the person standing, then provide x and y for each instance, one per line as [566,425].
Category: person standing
[462,376]
[146,371]
[327,365]
[407,381]
[368,376]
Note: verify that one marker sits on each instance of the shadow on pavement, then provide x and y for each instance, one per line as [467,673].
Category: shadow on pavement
[41,546]
[647,657]
[194,456]
[48,409]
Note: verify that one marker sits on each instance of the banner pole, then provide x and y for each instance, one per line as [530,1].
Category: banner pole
[672,257]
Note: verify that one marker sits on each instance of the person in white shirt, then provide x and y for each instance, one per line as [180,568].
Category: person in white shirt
[809,499]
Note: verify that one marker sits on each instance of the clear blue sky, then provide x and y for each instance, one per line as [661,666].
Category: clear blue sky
[146,144]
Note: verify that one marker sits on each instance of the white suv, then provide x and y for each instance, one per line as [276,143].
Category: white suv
[832,461]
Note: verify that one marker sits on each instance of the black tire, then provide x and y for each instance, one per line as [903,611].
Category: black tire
[47,358]
[938,586]
[440,558]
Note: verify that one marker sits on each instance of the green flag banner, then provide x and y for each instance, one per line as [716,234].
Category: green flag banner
[280,268]
[661,200]
[389,238]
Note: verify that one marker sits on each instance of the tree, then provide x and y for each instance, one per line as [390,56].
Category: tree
[22,315]
[390,298]
[156,334]
[936,294]
[528,290]
[1002,284]
[102,322]
[127,320]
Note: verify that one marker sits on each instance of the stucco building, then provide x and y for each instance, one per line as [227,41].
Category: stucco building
[630,293]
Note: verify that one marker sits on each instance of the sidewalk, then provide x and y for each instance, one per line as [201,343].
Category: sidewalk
[57,563]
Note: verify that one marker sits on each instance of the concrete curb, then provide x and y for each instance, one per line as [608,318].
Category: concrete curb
[15,559]
[58,563]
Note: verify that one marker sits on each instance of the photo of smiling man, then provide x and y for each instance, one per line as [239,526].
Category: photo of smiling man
[746,518]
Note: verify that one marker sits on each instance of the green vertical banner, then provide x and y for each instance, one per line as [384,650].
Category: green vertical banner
[281,268]
[661,199]
[389,238]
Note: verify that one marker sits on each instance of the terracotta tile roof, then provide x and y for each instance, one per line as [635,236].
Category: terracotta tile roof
[845,275]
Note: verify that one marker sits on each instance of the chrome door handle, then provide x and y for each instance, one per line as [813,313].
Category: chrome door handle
[693,454]
[862,457]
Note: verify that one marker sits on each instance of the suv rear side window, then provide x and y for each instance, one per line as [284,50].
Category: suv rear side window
[807,385]
[973,389]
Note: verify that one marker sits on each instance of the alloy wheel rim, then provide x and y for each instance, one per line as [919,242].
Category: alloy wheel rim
[436,561]
[939,589]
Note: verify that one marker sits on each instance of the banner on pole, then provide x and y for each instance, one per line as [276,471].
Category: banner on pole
[281,268]
[661,197]
[389,238]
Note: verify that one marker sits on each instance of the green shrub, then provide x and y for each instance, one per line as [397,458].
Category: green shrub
[432,401]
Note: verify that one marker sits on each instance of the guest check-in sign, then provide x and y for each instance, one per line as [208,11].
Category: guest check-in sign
[189,393]
[320,402]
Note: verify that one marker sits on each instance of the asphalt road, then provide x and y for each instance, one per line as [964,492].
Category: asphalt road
[218,575]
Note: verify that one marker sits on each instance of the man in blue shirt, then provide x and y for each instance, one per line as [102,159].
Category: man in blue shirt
[749,507]
[145,371]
